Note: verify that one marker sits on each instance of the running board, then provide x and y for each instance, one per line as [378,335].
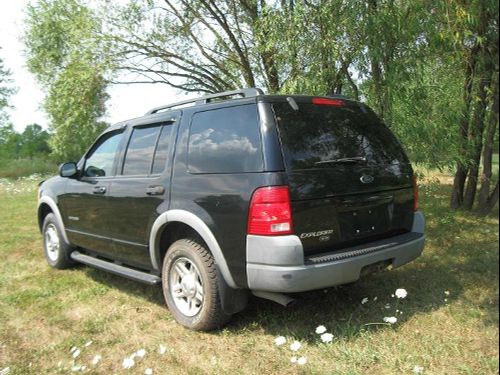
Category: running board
[127,272]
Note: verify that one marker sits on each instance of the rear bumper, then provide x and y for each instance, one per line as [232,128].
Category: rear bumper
[276,264]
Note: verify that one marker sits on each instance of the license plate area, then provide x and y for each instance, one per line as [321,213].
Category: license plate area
[365,222]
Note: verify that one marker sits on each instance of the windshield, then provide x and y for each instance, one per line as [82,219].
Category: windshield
[319,136]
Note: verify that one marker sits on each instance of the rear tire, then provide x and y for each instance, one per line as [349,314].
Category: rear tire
[190,287]
[57,251]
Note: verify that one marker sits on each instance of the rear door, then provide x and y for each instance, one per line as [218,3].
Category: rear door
[141,189]
[350,180]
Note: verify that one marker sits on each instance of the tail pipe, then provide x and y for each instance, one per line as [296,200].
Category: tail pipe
[280,298]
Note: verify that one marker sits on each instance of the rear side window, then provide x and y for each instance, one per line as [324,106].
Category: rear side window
[162,148]
[140,151]
[316,134]
[225,140]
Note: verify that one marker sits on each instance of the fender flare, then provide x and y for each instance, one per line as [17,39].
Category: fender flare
[200,227]
[55,210]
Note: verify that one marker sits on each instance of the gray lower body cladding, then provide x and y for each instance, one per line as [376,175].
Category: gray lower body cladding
[277,264]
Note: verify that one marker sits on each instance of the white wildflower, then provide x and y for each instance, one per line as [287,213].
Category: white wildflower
[446,292]
[364,300]
[162,350]
[401,293]
[302,361]
[140,353]
[391,319]
[76,368]
[293,359]
[320,330]
[375,299]
[387,306]
[392,295]
[73,349]
[280,340]
[97,358]
[128,363]
[295,346]
[418,370]
[5,371]
[327,337]
[76,353]
[148,371]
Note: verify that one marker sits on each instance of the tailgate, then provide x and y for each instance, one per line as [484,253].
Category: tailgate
[350,180]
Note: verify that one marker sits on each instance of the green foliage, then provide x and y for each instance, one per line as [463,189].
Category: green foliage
[17,168]
[64,55]
[9,141]
[6,88]
[32,142]
[75,102]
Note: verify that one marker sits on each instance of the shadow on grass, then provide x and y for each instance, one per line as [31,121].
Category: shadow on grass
[461,255]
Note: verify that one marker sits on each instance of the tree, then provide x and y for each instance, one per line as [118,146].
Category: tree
[34,141]
[6,90]
[65,57]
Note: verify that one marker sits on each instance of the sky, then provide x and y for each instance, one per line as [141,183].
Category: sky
[126,101]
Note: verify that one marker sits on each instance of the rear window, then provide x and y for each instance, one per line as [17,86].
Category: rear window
[316,134]
[225,140]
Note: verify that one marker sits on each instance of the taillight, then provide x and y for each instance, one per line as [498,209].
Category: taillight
[270,212]
[415,193]
[327,101]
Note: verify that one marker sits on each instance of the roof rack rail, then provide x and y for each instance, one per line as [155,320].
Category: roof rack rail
[245,93]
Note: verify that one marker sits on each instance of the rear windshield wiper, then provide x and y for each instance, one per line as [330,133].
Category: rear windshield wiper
[355,159]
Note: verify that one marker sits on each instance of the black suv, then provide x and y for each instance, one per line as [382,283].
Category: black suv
[237,192]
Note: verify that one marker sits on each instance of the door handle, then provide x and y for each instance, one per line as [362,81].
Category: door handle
[155,190]
[99,190]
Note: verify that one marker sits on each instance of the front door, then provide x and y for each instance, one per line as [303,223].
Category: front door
[85,201]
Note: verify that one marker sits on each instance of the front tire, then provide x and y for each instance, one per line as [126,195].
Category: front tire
[57,251]
[190,286]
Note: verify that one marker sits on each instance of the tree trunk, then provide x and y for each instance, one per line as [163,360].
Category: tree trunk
[484,192]
[457,195]
[375,65]
[476,135]
[462,170]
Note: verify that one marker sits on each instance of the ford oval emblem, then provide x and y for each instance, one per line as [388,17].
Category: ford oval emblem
[366,179]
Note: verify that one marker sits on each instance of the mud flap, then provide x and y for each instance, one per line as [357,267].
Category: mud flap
[232,300]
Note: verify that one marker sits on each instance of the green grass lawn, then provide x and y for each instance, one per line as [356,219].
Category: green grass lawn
[45,312]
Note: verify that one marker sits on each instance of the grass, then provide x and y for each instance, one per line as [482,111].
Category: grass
[44,312]
[17,168]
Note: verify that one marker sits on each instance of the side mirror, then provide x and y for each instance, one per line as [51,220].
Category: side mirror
[68,170]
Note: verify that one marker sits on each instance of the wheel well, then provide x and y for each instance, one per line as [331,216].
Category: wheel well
[43,211]
[175,231]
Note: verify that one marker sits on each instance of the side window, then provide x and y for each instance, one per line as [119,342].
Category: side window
[225,140]
[140,150]
[162,148]
[100,162]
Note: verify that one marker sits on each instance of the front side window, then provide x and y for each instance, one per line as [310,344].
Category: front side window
[101,160]
[225,140]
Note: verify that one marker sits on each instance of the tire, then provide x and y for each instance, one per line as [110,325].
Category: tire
[190,287]
[56,250]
